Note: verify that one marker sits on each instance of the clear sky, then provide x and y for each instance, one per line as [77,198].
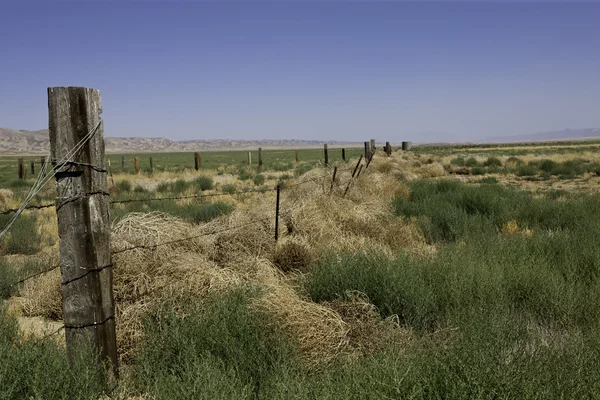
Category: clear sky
[332,70]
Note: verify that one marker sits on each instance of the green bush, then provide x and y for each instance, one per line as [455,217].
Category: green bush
[514,162]
[526,170]
[23,236]
[478,171]
[459,161]
[489,180]
[33,369]
[124,185]
[492,162]
[140,189]
[229,188]
[471,162]
[219,350]
[547,165]
[259,179]
[204,182]
[244,175]
[180,186]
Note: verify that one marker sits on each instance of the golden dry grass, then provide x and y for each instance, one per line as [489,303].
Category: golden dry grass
[182,261]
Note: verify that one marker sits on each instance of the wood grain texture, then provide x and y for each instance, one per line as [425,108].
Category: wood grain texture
[83,223]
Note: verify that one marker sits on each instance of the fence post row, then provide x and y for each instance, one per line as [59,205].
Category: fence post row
[82,208]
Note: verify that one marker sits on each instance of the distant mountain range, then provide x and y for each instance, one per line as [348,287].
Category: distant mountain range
[21,141]
[565,134]
[15,141]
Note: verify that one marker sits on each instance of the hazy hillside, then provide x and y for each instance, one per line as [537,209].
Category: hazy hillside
[565,134]
[37,142]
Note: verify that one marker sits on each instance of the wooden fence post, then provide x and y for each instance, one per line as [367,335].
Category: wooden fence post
[367,150]
[260,160]
[297,159]
[122,162]
[353,173]
[333,179]
[406,146]
[136,162]
[151,165]
[82,208]
[373,146]
[196,161]
[21,168]
[249,158]
[326,154]
[32,168]
[388,149]
[277,214]
[344,154]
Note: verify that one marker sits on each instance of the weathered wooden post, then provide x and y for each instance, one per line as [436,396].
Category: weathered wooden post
[367,151]
[260,160]
[122,162]
[32,168]
[406,146]
[249,158]
[151,165]
[344,154]
[196,161]
[388,149]
[373,146]
[297,159]
[333,179]
[21,168]
[82,208]
[136,162]
[326,154]
[277,214]
[353,173]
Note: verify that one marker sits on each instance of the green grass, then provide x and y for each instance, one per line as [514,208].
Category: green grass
[22,238]
[195,212]
[33,369]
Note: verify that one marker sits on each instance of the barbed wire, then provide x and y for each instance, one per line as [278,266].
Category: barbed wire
[153,246]
[25,279]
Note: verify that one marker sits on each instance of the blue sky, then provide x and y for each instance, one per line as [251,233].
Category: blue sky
[426,71]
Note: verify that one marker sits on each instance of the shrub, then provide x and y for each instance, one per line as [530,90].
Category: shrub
[204,182]
[244,175]
[513,162]
[459,161]
[492,162]
[140,189]
[526,170]
[489,180]
[478,171]
[23,236]
[218,350]
[180,186]
[124,185]
[229,188]
[471,162]
[547,165]
[259,179]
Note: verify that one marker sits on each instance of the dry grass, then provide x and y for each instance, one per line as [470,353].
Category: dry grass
[239,248]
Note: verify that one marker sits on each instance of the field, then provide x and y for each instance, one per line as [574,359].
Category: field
[444,272]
